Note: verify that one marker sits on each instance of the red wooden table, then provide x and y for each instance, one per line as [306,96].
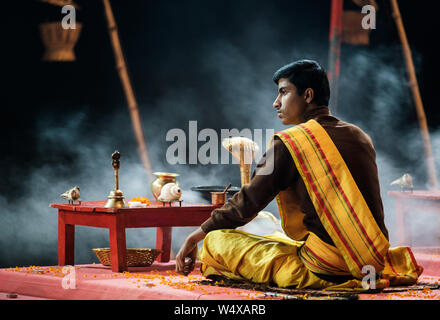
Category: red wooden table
[93,214]
[407,201]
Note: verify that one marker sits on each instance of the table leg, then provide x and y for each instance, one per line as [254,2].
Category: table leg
[66,241]
[118,246]
[163,242]
[402,233]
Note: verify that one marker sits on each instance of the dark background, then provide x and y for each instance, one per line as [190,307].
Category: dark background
[209,61]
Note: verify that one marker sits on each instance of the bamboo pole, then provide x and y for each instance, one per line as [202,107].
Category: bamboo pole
[128,89]
[335,38]
[432,175]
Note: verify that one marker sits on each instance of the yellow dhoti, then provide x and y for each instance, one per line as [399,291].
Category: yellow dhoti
[286,260]
[239,255]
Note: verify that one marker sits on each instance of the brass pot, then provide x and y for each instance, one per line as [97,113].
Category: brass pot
[162,179]
[218,198]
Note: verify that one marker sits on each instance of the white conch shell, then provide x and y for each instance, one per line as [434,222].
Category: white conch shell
[405,181]
[170,192]
[72,194]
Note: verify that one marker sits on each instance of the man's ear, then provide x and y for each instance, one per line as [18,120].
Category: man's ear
[309,94]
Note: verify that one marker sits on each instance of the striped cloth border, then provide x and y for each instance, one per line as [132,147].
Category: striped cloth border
[336,197]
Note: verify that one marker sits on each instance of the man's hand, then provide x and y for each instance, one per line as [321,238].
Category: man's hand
[186,257]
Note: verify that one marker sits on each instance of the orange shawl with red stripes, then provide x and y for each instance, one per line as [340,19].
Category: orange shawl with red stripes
[342,210]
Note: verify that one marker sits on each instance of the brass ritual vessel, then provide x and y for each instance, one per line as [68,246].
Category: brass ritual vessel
[116,197]
[162,179]
[219,198]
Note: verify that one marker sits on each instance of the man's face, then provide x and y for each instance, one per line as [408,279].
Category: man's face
[289,104]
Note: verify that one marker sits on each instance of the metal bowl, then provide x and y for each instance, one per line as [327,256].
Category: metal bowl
[206,191]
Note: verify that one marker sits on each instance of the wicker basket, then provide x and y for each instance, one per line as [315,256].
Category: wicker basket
[59,42]
[136,257]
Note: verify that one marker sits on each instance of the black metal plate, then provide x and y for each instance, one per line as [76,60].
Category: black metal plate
[206,190]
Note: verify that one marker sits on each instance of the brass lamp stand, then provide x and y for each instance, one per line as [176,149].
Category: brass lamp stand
[116,197]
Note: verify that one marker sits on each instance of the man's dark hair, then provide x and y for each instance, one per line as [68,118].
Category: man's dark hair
[306,74]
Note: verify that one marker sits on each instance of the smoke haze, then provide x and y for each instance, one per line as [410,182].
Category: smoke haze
[218,74]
